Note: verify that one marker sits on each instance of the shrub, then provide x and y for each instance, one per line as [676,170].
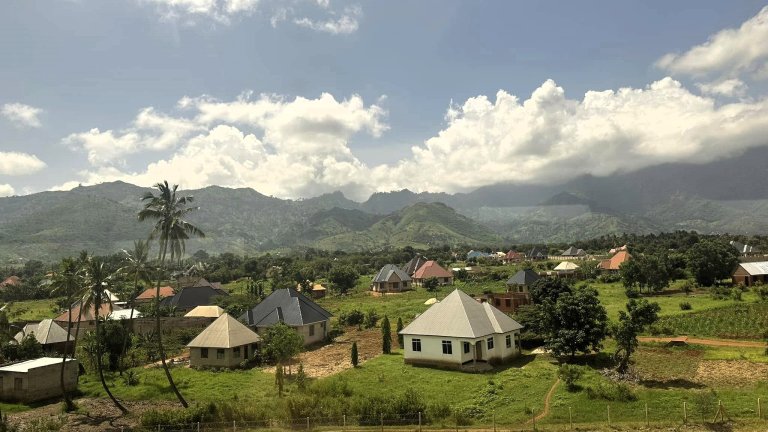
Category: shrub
[569,374]
[371,318]
[437,411]
[618,392]
[431,284]
[761,291]
[736,294]
[352,318]
[687,287]
[130,378]
[685,306]
[175,417]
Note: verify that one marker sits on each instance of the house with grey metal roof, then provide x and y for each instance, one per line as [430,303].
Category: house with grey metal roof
[749,273]
[744,249]
[460,331]
[292,308]
[522,280]
[391,279]
[414,264]
[53,337]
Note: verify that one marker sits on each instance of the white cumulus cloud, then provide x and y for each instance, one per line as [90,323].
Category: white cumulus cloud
[15,163]
[222,11]
[22,115]
[6,190]
[729,87]
[729,52]
[344,23]
[549,138]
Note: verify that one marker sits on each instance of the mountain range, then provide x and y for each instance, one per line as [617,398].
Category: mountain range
[724,196]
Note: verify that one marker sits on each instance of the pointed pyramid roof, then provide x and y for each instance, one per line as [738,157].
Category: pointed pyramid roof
[414,264]
[459,315]
[566,266]
[287,306]
[225,332]
[387,271]
[523,277]
[431,269]
[206,311]
[46,332]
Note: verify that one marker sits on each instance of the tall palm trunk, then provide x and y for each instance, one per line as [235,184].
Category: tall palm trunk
[99,366]
[130,322]
[160,348]
[69,405]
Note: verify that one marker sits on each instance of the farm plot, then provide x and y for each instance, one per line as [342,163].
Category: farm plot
[737,321]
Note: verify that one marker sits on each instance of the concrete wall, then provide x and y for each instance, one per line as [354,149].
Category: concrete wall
[37,384]
[229,360]
[147,325]
[432,349]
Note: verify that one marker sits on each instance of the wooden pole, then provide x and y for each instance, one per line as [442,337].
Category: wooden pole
[759,409]
[534,421]
[609,415]
[494,420]
[570,418]
[307,423]
[382,422]
[419,421]
[234,426]
[344,422]
[646,415]
[685,413]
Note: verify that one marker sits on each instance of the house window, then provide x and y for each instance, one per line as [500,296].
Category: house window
[311,329]
[509,341]
[405,284]
[416,345]
[18,384]
[219,354]
[466,347]
[489,343]
[203,352]
[236,352]
[508,302]
[498,302]
[447,347]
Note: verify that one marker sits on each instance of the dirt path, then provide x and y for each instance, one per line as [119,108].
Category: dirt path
[547,401]
[709,342]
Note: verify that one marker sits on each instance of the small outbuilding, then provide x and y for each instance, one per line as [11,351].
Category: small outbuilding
[391,279]
[224,343]
[35,380]
[294,309]
[566,268]
[748,274]
[460,330]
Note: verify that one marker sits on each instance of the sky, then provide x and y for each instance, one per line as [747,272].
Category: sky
[296,98]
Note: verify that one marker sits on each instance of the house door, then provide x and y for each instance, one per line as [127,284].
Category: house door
[479,350]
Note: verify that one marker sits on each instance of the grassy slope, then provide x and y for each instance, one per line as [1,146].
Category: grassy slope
[32,310]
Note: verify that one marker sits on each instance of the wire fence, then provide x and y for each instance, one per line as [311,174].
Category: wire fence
[558,418]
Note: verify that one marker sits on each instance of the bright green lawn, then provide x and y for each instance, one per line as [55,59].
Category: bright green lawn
[32,310]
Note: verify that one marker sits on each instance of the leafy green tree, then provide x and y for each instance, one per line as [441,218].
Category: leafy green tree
[639,315]
[371,318]
[386,336]
[281,343]
[569,374]
[171,230]
[399,329]
[343,278]
[98,279]
[548,289]
[712,260]
[67,283]
[431,284]
[353,354]
[648,272]
[576,323]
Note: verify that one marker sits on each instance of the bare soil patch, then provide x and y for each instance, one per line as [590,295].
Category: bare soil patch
[731,372]
[709,342]
[335,357]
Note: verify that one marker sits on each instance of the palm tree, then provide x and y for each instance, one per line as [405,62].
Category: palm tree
[136,265]
[98,281]
[68,283]
[171,230]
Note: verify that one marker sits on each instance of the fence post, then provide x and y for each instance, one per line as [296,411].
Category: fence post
[158,428]
[198,426]
[534,420]
[307,423]
[344,424]
[759,409]
[382,421]
[685,413]
[419,421]
[609,415]
[570,418]
[494,421]
[646,415]
[234,426]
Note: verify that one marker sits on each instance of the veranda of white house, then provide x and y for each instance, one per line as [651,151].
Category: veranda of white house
[460,351]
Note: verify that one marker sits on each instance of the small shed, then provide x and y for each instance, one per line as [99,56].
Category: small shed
[224,343]
[35,380]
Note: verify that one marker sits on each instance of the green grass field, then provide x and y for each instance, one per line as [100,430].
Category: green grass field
[32,310]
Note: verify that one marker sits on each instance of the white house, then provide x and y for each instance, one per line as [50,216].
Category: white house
[458,331]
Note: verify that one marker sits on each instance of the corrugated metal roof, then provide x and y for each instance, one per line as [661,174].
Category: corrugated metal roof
[414,264]
[387,271]
[285,305]
[459,315]
[25,366]
[566,266]
[46,332]
[755,268]
[523,277]
[206,311]
[225,332]
[193,296]
[431,269]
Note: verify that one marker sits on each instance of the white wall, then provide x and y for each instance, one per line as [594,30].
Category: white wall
[432,349]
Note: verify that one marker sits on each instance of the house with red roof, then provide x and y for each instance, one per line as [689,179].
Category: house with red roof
[149,294]
[10,281]
[614,263]
[431,269]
